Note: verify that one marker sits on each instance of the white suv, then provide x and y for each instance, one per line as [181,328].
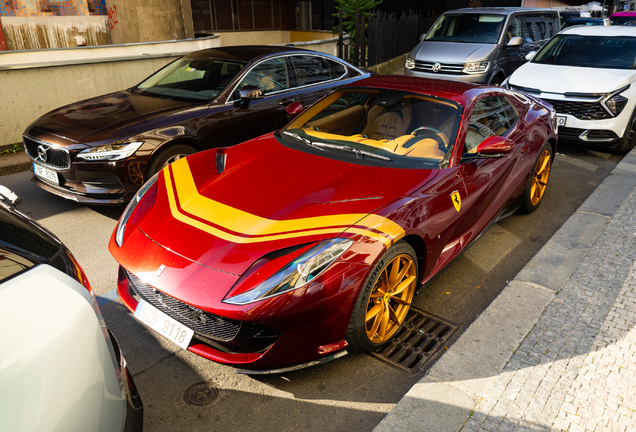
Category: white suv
[587,73]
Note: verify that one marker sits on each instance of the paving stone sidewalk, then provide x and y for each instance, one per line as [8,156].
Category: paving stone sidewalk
[576,369]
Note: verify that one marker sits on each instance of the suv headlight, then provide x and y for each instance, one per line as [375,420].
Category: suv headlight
[121,226]
[475,67]
[297,273]
[616,102]
[410,63]
[110,152]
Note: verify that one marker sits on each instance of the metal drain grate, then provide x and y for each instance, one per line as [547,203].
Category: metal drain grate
[421,336]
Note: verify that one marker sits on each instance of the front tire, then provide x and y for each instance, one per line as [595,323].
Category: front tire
[385,299]
[629,138]
[538,181]
[168,155]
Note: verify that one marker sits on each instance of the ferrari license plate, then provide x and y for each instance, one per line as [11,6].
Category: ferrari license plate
[163,324]
[561,120]
[45,173]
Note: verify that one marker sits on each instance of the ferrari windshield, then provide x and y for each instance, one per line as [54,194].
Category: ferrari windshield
[471,28]
[190,79]
[618,52]
[379,126]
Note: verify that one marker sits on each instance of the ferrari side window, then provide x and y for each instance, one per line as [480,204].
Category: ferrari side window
[510,111]
[479,127]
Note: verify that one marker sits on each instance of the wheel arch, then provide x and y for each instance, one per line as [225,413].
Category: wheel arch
[418,245]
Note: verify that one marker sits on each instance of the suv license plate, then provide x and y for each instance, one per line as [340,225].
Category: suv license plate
[163,324]
[561,120]
[45,173]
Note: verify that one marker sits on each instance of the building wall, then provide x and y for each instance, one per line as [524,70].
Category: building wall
[149,20]
[38,24]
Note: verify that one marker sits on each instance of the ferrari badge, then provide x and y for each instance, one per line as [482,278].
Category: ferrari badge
[457,200]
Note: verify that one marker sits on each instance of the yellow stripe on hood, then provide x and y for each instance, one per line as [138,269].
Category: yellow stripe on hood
[248,225]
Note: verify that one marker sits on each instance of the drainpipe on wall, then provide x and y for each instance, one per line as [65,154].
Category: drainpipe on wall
[3,42]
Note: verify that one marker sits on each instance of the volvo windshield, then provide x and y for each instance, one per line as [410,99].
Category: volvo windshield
[190,79]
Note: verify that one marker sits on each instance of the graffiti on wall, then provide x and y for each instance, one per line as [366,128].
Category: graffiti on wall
[112,16]
[38,8]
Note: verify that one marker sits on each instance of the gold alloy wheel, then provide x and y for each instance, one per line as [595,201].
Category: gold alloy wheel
[540,178]
[390,298]
[135,172]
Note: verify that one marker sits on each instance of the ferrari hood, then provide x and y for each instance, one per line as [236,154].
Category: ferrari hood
[569,79]
[269,197]
[113,116]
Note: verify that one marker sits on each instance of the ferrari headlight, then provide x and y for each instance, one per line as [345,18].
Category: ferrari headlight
[616,102]
[121,227]
[110,152]
[410,63]
[476,67]
[297,273]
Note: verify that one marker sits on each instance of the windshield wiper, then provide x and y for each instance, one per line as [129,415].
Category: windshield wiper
[302,139]
[358,152]
[322,146]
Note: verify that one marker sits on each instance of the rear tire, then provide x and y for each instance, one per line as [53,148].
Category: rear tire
[538,181]
[168,155]
[385,299]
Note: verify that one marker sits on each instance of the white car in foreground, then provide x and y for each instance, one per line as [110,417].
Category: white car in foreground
[60,367]
[587,73]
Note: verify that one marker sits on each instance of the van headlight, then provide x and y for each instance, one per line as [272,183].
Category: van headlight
[476,67]
[410,63]
[615,103]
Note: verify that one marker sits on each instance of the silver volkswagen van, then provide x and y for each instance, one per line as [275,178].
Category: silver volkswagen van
[481,45]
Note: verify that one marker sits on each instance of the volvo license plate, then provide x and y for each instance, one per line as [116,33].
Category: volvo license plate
[45,173]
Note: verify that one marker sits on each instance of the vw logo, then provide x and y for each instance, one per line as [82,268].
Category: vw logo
[437,67]
[42,153]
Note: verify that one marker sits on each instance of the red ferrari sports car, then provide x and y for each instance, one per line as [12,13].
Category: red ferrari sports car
[292,248]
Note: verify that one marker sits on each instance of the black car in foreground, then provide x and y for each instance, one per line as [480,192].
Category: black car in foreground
[101,150]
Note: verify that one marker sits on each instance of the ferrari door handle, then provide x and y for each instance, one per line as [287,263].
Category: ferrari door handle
[286,101]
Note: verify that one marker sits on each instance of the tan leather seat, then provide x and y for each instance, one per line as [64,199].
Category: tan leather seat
[383,123]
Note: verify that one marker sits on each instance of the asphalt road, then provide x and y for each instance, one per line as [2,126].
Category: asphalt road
[352,393]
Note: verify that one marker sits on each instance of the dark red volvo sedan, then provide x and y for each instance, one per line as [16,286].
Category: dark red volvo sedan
[101,150]
[293,248]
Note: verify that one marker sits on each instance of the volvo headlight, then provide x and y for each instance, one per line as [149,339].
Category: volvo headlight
[616,102]
[297,273]
[476,67]
[410,63]
[110,152]
[121,227]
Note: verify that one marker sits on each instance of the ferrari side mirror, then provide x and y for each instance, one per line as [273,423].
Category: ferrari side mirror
[491,147]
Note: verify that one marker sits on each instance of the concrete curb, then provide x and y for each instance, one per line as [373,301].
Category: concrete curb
[445,398]
[12,163]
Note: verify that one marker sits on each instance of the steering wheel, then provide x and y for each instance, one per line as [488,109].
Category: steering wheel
[430,132]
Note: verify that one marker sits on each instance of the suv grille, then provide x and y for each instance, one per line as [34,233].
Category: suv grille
[46,154]
[580,110]
[202,322]
[446,68]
